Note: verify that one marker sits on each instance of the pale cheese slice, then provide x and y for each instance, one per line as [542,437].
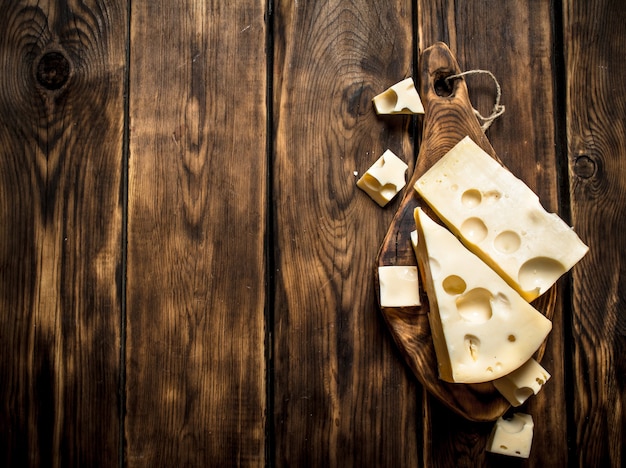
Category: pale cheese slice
[399,286]
[384,179]
[482,328]
[401,98]
[523,382]
[500,219]
[512,437]
[414,237]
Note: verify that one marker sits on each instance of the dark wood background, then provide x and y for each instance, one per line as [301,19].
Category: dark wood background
[186,264]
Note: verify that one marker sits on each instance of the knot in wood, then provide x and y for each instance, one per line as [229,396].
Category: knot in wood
[53,70]
[584,167]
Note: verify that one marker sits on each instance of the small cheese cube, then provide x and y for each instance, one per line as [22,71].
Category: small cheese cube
[399,286]
[500,219]
[384,179]
[513,437]
[517,386]
[401,98]
[482,328]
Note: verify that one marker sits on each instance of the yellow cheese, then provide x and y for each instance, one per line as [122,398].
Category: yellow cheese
[384,179]
[482,329]
[513,437]
[523,382]
[401,98]
[399,286]
[500,219]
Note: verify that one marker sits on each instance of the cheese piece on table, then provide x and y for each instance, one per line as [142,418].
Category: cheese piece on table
[513,437]
[401,98]
[384,179]
[500,219]
[399,286]
[523,382]
[482,328]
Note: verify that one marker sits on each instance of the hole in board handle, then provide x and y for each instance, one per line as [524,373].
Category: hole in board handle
[442,85]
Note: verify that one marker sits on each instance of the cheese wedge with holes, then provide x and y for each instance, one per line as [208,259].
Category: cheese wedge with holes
[482,328]
[523,382]
[399,286]
[500,219]
[401,98]
[512,437]
[384,179]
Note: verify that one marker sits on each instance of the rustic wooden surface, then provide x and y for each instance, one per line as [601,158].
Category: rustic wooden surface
[187,266]
[61,165]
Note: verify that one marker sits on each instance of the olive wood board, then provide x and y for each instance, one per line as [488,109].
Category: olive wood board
[448,118]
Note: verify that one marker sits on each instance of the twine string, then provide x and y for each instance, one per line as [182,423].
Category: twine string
[498,109]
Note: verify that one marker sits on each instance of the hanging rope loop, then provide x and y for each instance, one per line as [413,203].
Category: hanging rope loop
[498,109]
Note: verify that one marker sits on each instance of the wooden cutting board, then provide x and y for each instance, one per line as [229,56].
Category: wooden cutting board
[448,118]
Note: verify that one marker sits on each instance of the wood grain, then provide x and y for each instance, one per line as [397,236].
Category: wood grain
[519,53]
[196,378]
[596,130]
[61,127]
[343,397]
[238,324]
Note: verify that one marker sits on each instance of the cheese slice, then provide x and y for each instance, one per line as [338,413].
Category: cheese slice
[399,286]
[482,329]
[401,98]
[523,382]
[500,219]
[384,179]
[512,437]
[414,237]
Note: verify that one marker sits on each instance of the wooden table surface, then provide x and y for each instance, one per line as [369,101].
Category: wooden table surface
[187,265]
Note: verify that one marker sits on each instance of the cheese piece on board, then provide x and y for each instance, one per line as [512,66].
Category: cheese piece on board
[500,219]
[399,286]
[384,179]
[482,328]
[414,237]
[401,98]
[512,437]
[523,382]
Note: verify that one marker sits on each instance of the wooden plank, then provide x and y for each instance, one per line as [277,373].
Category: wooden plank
[596,104]
[519,53]
[343,396]
[61,138]
[197,208]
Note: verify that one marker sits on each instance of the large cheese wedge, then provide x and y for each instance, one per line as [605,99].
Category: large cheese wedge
[481,327]
[500,219]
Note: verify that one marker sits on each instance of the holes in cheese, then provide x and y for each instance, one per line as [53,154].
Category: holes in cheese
[500,219]
[482,329]
[507,242]
[475,305]
[454,285]
[384,179]
[401,98]
[512,437]
[399,286]
[539,271]
[470,198]
[523,382]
